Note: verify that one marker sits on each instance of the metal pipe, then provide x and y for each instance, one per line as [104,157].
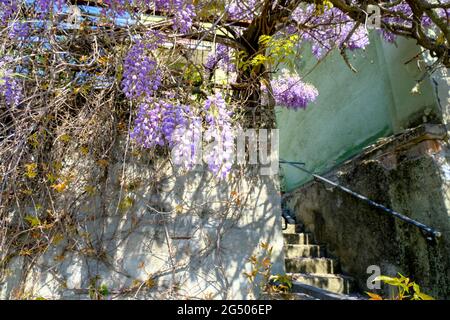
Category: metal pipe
[431,233]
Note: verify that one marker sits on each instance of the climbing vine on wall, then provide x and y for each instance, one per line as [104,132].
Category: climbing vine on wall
[79,78]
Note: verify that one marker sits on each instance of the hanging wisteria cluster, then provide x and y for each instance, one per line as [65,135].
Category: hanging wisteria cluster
[242,10]
[404,18]
[333,28]
[291,92]
[220,58]
[146,51]
[187,143]
[141,76]
[7,9]
[10,87]
[220,155]
[156,122]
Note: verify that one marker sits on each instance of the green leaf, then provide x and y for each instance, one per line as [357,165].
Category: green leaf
[388,280]
[264,40]
[424,296]
[103,290]
[33,221]
[126,203]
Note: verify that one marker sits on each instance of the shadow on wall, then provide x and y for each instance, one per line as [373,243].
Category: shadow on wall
[150,232]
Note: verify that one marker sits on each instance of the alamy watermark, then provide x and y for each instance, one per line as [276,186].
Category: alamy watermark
[372,281]
[373,17]
[244,146]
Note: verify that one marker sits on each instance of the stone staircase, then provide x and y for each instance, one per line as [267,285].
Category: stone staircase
[312,272]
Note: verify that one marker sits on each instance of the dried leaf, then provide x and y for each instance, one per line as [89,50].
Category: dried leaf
[60,187]
[31,170]
[374,296]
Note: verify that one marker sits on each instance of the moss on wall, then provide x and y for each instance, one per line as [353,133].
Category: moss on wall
[410,182]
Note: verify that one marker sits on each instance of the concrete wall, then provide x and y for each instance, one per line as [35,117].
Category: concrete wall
[408,173]
[188,232]
[354,110]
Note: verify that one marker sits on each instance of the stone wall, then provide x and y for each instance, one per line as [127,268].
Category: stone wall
[146,230]
[408,173]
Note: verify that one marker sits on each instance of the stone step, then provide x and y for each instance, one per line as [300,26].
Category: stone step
[311,265]
[286,296]
[304,251]
[321,294]
[298,238]
[331,282]
[290,228]
[293,228]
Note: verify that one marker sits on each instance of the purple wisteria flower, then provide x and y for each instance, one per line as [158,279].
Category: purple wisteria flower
[221,58]
[291,92]
[156,122]
[44,7]
[404,11]
[219,154]
[182,10]
[187,143]
[241,10]
[184,14]
[10,87]
[19,30]
[328,30]
[7,10]
[141,76]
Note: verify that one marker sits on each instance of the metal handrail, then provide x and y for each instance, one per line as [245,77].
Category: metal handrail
[430,233]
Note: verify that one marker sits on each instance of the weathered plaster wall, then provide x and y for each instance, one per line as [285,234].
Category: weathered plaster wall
[409,174]
[188,232]
[353,110]
[441,87]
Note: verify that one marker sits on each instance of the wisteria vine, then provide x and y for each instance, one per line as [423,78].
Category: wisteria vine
[148,51]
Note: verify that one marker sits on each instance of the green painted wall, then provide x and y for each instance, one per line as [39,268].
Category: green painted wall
[353,110]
